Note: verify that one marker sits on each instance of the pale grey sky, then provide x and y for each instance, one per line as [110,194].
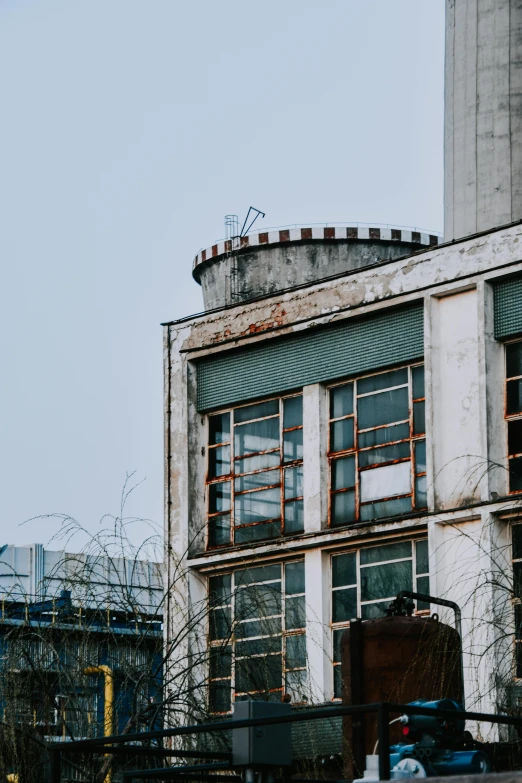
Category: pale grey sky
[129,128]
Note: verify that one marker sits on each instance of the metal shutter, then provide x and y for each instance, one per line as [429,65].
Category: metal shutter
[314,356]
[507,297]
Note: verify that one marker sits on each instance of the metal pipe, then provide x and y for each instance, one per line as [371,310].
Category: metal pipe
[108,702]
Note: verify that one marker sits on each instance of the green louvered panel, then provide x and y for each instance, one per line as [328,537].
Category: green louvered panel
[508,308]
[279,365]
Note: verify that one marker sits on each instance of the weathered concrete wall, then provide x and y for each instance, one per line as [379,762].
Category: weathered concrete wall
[266,269]
[483,115]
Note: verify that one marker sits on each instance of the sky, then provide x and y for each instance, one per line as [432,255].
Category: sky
[129,128]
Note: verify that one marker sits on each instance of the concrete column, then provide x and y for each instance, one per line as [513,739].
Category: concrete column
[318,633]
[456,427]
[315,463]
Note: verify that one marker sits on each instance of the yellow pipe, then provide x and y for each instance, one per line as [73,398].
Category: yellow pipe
[108,702]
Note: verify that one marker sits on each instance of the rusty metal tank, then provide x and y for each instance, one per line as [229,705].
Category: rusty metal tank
[394,659]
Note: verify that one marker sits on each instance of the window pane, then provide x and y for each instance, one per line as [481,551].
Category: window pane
[423,586]
[517,541]
[257,506]
[220,624]
[248,464]
[419,418]
[257,480]
[293,412]
[293,482]
[517,579]
[297,686]
[344,570]
[337,636]
[259,674]
[515,436]
[250,576]
[219,497]
[421,557]
[220,590]
[341,435]
[385,581]
[257,411]
[374,611]
[244,535]
[382,381]
[293,445]
[420,456]
[337,682]
[219,428]
[515,474]
[518,622]
[341,401]
[379,554]
[513,360]
[256,436]
[386,482]
[343,473]
[344,605]
[343,508]
[295,578]
[220,662]
[255,601]
[219,530]
[295,613]
[384,435]
[383,408]
[417,377]
[514,396]
[384,454]
[295,651]
[294,516]
[218,461]
[421,495]
[271,644]
[219,696]
[264,627]
[386,508]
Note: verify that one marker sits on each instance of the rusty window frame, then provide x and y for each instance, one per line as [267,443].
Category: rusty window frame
[337,627]
[511,417]
[230,641]
[418,478]
[516,603]
[280,469]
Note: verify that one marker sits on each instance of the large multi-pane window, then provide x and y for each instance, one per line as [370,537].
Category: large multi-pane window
[255,472]
[377,446]
[257,635]
[514,413]
[365,582]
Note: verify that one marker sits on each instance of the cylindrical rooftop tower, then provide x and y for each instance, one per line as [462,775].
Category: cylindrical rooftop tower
[267,262]
[483,116]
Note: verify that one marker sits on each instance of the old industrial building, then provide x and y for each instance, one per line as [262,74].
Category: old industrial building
[345,419]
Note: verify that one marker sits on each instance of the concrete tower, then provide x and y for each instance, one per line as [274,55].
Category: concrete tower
[483,115]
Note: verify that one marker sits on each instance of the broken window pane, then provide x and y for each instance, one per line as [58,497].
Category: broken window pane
[341,435]
[386,481]
[257,506]
[219,428]
[218,461]
[341,401]
[385,580]
[383,408]
[292,412]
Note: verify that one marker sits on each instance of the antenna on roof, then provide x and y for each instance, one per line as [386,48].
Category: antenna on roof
[246,228]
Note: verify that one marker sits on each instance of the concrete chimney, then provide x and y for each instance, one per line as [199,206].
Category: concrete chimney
[483,116]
